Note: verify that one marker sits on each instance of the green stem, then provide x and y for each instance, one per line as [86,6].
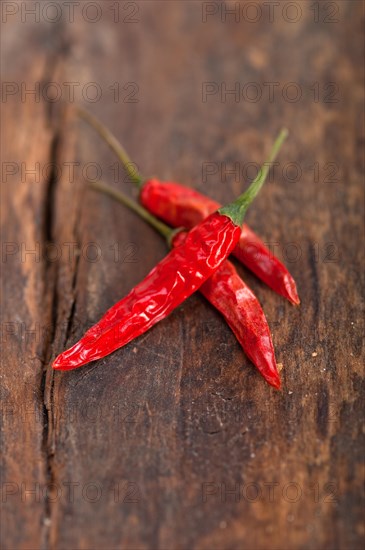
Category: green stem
[115,145]
[162,228]
[237,209]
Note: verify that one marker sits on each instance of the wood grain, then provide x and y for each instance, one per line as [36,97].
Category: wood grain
[175,441]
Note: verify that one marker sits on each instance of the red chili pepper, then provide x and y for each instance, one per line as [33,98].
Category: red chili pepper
[181,206]
[226,291]
[173,280]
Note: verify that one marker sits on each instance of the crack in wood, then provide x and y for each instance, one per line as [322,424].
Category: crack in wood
[47,385]
[73,291]
[51,275]
[59,40]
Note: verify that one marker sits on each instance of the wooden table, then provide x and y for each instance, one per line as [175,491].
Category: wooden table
[175,441]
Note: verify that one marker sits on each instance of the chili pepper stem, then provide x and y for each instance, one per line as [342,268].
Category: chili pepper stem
[115,145]
[162,228]
[237,209]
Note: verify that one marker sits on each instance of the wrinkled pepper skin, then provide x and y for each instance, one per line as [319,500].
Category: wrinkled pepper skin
[181,206]
[228,293]
[173,280]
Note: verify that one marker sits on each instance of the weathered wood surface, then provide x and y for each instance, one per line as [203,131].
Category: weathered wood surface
[141,449]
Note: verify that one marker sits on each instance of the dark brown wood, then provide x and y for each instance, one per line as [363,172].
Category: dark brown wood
[175,441]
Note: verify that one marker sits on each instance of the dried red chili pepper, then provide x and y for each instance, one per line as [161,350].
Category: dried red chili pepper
[228,293]
[173,280]
[182,206]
